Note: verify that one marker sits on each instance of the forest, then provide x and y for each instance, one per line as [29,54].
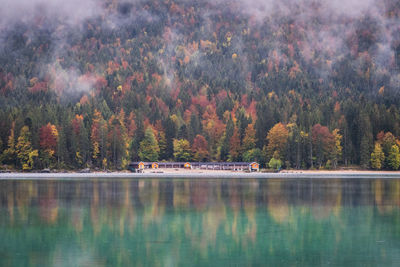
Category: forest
[298,84]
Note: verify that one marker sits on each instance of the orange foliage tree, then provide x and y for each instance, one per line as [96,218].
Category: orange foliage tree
[48,141]
[249,139]
[200,148]
[277,139]
[235,148]
[323,143]
[98,137]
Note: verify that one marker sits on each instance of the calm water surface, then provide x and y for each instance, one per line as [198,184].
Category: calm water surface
[172,222]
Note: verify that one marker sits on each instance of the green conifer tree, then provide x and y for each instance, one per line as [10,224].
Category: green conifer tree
[149,149]
[365,151]
[162,144]
[9,155]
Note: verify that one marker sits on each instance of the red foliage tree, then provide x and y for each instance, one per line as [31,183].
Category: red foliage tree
[235,148]
[323,141]
[39,87]
[76,123]
[131,125]
[200,148]
[48,138]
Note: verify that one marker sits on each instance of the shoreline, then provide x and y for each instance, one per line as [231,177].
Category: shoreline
[206,174]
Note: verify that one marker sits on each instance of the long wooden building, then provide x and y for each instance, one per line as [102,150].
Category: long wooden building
[233,166]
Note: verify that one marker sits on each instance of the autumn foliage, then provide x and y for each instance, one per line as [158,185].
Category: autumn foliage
[48,138]
[277,139]
[200,148]
[240,84]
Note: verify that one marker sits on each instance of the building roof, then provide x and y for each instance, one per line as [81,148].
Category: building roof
[191,162]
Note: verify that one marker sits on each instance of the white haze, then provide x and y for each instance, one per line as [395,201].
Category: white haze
[329,40]
[68,11]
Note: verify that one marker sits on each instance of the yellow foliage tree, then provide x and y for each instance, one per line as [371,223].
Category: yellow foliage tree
[337,152]
[95,133]
[24,150]
[377,157]
[249,139]
[182,151]
[9,154]
[277,139]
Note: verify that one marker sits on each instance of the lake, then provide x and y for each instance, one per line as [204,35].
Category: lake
[204,222]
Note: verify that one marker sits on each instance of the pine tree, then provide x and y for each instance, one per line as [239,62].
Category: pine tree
[1,147]
[138,137]
[124,140]
[183,132]
[366,139]
[365,151]
[9,153]
[170,134]
[293,152]
[62,150]
[162,144]
[195,127]
[149,149]
[254,154]
[225,140]
[80,147]
[264,122]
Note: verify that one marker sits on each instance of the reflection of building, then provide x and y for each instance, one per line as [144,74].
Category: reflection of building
[233,166]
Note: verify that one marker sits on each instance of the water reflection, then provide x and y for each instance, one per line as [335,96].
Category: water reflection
[200,222]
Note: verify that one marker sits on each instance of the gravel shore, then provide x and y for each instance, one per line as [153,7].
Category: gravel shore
[207,174]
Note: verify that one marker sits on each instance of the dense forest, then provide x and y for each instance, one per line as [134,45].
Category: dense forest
[298,84]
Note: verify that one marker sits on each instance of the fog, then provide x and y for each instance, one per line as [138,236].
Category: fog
[329,29]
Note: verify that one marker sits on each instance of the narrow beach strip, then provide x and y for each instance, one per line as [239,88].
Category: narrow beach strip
[203,175]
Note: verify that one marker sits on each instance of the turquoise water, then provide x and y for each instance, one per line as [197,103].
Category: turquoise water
[182,222]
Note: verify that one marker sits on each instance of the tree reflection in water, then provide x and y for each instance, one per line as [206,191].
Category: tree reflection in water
[200,222]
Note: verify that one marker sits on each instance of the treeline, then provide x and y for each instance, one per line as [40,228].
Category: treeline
[175,80]
[111,143]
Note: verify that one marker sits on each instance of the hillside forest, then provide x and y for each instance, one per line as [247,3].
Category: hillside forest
[298,84]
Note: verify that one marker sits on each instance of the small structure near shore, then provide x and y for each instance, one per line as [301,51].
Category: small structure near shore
[154,165]
[254,166]
[233,166]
